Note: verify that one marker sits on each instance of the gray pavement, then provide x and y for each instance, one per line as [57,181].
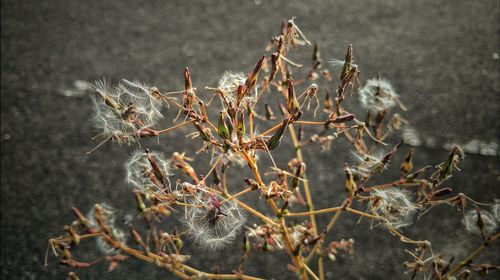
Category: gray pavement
[441,56]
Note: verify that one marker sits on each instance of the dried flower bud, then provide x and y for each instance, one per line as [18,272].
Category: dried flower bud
[340,119]
[240,128]
[347,63]
[222,128]
[149,171]
[407,164]
[275,140]
[293,105]
[350,185]
[253,76]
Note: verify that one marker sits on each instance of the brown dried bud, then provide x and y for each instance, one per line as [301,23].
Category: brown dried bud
[407,164]
[293,105]
[339,119]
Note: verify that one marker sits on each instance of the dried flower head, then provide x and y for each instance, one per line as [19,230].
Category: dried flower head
[266,237]
[394,206]
[230,81]
[212,223]
[367,164]
[123,110]
[473,225]
[109,215]
[149,171]
[378,94]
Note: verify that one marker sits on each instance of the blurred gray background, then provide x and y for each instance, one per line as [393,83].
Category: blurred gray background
[441,56]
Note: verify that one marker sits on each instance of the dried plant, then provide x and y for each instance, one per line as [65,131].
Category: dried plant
[212,213]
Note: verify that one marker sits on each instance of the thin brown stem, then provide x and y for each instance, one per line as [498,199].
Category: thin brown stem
[163,131]
[472,256]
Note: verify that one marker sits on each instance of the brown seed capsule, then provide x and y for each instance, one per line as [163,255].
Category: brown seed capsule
[222,128]
[293,105]
[347,63]
[339,119]
[240,127]
[350,185]
[252,77]
[407,164]
[275,66]
[275,140]
[441,192]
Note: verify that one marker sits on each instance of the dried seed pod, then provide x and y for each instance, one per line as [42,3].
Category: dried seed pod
[293,105]
[275,140]
[407,164]
[350,184]
[222,128]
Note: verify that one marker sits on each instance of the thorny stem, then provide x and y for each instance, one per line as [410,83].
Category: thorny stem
[472,256]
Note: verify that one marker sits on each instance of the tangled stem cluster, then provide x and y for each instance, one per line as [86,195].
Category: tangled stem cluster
[213,203]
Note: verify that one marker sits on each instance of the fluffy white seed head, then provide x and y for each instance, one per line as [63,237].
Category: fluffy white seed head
[121,111]
[140,171]
[230,81]
[109,217]
[378,95]
[470,221]
[337,64]
[211,226]
[368,163]
[394,206]
[141,96]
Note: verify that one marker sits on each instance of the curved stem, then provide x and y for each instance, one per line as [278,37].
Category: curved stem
[175,127]
[472,256]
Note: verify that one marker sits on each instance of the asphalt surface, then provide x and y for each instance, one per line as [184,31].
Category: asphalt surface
[442,57]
